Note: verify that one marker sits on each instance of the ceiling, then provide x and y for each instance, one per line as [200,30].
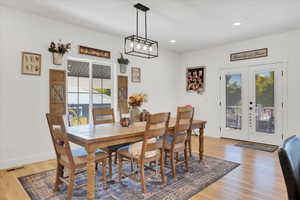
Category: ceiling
[194,24]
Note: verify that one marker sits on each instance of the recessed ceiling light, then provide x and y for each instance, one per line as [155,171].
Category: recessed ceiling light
[236,23]
[173,41]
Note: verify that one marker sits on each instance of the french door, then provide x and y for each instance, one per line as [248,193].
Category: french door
[252,103]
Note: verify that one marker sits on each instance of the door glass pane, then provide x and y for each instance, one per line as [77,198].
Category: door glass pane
[264,96]
[102,86]
[233,101]
[107,87]
[78,92]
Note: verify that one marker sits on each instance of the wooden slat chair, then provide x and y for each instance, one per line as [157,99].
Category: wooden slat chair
[156,127]
[178,141]
[107,116]
[68,159]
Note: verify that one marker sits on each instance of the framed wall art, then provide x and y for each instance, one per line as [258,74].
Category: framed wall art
[31,63]
[135,74]
[94,52]
[195,79]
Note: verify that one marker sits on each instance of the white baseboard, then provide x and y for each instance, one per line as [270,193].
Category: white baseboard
[4,164]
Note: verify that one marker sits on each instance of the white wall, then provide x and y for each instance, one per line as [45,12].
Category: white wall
[282,48]
[1,84]
[24,100]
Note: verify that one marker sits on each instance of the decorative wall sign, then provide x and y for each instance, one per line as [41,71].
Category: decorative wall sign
[135,74]
[94,52]
[31,63]
[195,79]
[258,53]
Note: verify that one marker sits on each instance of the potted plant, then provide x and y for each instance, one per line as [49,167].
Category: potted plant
[123,63]
[58,50]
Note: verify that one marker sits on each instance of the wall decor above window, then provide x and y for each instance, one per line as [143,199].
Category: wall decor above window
[94,52]
[258,53]
[195,79]
[31,63]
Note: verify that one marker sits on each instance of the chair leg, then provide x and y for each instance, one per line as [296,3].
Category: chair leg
[110,163]
[142,178]
[120,166]
[162,166]
[104,174]
[116,158]
[186,157]
[190,146]
[173,164]
[71,185]
[177,156]
[59,173]
[189,141]
[166,157]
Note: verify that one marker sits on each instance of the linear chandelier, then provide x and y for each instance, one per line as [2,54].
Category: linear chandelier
[136,45]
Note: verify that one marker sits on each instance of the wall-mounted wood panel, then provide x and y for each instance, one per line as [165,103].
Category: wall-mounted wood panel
[57,85]
[122,91]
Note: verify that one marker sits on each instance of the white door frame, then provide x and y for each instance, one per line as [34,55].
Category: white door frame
[113,75]
[283,66]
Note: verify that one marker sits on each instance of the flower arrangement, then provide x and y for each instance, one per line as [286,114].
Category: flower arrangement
[138,99]
[59,47]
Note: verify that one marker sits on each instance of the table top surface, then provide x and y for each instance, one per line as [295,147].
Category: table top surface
[103,132]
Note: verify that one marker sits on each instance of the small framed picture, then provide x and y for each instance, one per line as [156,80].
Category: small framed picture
[135,74]
[31,63]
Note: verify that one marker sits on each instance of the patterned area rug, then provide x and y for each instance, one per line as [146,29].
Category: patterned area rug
[257,146]
[201,174]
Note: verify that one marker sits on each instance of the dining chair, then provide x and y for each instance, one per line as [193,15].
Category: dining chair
[178,140]
[289,157]
[107,116]
[151,150]
[68,159]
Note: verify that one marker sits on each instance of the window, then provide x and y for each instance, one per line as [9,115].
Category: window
[89,86]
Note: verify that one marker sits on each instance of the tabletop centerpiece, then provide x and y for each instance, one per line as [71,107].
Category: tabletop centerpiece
[135,102]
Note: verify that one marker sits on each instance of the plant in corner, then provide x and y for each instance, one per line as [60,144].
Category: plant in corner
[123,62]
[58,50]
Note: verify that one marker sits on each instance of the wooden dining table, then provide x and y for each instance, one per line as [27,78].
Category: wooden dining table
[105,135]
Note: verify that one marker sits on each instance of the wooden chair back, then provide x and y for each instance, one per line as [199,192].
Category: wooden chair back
[60,139]
[103,115]
[184,121]
[156,126]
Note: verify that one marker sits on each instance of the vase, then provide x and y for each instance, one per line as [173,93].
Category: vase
[135,114]
[123,68]
[57,59]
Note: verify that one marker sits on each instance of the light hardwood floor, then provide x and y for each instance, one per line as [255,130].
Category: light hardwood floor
[258,178]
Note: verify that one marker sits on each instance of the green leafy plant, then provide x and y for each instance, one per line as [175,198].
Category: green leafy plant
[123,60]
[59,47]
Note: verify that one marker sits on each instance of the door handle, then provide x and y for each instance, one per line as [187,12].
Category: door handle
[250,108]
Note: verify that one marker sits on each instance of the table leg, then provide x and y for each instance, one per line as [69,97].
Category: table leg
[91,175]
[201,142]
